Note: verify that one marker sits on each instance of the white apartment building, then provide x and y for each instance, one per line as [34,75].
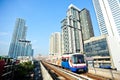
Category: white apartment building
[55,45]
[108,16]
[71,31]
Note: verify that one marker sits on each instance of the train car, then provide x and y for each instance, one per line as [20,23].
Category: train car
[74,62]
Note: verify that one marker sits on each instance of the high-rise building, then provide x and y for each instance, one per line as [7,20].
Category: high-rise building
[75,27]
[86,24]
[55,44]
[19,46]
[28,49]
[71,31]
[108,16]
[16,48]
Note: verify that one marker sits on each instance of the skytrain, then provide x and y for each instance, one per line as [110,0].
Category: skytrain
[74,62]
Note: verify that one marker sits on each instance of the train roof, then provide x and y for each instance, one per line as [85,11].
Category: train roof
[67,55]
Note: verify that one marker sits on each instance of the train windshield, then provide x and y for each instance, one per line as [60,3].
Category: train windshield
[77,59]
[65,59]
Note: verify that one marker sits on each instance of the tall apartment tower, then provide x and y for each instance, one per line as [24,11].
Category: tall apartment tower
[55,44]
[86,24]
[17,48]
[75,29]
[108,16]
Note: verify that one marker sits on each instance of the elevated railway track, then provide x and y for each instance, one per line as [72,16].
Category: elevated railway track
[57,73]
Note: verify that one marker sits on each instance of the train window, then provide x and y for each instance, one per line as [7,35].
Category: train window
[65,59]
[78,59]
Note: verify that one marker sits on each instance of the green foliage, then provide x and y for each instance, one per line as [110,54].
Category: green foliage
[24,69]
[27,66]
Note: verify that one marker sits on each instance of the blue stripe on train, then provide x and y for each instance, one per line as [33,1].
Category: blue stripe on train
[77,69]
[66,65]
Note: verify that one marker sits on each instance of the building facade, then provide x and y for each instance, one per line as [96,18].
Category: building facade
[96,46]
[86,24]
[75,27]
[18,45]
[104,50]
[55,45]
[108,16]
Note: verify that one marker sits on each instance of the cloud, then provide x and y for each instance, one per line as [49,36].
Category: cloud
[4,34]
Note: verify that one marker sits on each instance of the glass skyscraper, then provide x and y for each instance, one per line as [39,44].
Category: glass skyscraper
[108,16]
[17,48]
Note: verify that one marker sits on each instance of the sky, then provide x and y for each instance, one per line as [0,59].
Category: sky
[42,18]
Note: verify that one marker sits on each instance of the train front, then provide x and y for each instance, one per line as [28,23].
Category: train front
[77,63]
